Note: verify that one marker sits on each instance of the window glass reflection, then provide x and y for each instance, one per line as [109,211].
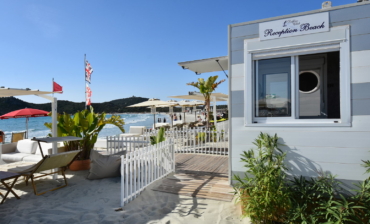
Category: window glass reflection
[273,94]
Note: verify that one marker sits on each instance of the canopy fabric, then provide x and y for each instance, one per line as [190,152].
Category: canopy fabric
[153,102]
[188,103]
[170,103]
[219,97]
[206,65]
[7,92]
[27,112]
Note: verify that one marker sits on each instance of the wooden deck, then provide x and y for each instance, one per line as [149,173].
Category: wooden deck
[200,176]
[200,163]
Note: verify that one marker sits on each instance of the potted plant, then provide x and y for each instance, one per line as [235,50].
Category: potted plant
[87,125]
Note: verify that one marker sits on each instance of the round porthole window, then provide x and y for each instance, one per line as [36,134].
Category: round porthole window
[309,81]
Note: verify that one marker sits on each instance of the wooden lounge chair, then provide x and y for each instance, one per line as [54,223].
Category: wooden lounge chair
[16,136]
[49,162]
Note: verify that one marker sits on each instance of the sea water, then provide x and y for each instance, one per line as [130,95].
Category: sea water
[36,127]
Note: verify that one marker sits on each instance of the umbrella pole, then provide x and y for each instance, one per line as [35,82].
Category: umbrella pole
[26,127]
[154,120]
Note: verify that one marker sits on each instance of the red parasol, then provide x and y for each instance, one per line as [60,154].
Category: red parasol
[25,113]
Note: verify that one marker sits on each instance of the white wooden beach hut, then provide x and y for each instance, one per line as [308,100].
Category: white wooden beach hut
[304,76]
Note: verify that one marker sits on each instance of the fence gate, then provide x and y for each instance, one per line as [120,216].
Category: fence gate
[144,166]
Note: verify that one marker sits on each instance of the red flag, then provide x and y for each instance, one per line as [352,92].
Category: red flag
[88,95]
[57,88]
[88,71]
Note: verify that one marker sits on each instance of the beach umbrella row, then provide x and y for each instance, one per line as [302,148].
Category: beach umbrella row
[152,103]
[188,103]
[171,103]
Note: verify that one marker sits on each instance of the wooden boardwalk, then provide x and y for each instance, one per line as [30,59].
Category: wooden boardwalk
[200,176]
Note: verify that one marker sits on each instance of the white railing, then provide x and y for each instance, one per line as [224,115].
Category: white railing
[186,140]
[142,167]
[118,144]
[197,140]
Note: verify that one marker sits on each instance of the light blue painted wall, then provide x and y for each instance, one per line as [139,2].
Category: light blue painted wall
[358,17]
[338,150]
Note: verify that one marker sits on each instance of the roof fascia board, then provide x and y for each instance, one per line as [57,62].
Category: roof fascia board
[202,60]
[300,14]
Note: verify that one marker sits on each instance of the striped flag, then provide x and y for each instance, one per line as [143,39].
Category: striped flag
[88,95]
[88,71]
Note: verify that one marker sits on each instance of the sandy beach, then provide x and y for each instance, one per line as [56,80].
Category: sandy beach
[98,201]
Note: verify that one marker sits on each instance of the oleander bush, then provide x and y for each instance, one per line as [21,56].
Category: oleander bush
[319,200]
[269,196]
[263,190]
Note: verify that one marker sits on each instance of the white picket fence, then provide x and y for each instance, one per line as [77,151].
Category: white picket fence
[197,140]
[145,163]
[117,144]
[142,167]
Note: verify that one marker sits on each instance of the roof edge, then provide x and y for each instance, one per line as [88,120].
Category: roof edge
[204,59]
[301,13]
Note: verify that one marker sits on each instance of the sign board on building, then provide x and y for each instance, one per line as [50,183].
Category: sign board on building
[295,26]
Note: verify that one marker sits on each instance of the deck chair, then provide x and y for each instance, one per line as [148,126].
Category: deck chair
[16,136]
[49,162]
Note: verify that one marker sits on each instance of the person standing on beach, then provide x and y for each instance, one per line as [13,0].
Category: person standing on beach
[175,117]
[164,120]
[180,117]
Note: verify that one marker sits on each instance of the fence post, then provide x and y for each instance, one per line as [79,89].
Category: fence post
[173,155]
[122,179]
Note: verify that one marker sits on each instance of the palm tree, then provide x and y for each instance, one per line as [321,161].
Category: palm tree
[206,88]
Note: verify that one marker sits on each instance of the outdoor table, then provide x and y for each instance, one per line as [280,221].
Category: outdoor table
[54,139]
[8,176]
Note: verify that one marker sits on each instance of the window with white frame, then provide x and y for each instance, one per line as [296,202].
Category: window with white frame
[300,84]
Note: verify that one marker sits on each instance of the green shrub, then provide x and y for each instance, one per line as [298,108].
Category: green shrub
[159,138]
[263,189]
[201,137]
[318,200]
[268,196]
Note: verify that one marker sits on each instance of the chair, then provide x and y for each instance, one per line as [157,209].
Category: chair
[54,161]
[134,131]
[16,136]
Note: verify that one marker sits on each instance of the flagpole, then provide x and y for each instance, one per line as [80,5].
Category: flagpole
[85,79]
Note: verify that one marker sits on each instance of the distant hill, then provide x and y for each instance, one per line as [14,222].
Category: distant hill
[9,104]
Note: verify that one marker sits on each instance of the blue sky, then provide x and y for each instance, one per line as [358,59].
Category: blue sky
[133,46]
